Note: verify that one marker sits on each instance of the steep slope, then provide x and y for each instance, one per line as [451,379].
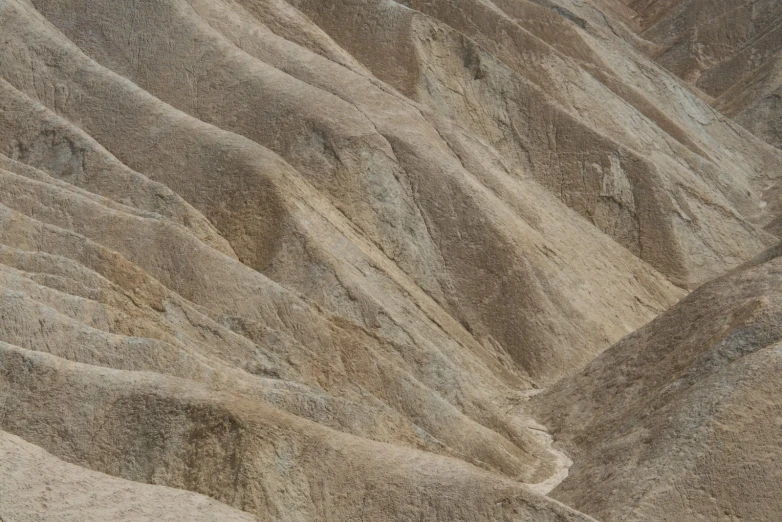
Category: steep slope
[753,101]
[265,252]
[493,243]
[682,419]
[712,44]
[34,485]
[649,176]
[730,51]
[570,104]
[135,318]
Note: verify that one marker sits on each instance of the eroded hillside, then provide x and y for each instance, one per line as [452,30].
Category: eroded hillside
[312,258]
[681,418]
[730,51]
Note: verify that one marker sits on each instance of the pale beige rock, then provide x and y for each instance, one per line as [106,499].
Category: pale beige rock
[564,105]
[311,259]
[681,419]
[34,485]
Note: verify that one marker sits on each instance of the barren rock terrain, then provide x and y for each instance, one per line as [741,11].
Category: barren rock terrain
[731,51]
[682,416]
[376,260]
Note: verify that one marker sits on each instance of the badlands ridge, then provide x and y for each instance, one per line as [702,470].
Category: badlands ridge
[376,260]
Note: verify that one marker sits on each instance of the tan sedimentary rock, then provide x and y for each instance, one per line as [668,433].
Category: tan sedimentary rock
[730,51]
[312,258]
[34,485]
[681,419]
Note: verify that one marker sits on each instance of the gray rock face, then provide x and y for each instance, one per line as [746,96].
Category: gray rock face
[310,260]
